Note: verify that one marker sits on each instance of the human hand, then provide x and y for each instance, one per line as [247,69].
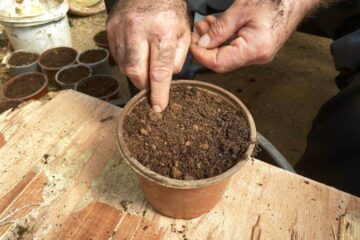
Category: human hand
[255,30]
[150,40]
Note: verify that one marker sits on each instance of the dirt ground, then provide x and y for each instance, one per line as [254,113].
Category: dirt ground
[283,96]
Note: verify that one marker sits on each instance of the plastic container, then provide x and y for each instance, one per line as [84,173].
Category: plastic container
[40,32]
[49,69]
[16,70]
[101,40]
[185,199]
[100,66]
[37,93]
[65,85]
[96,82]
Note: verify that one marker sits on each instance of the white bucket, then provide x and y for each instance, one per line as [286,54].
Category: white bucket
[41,32]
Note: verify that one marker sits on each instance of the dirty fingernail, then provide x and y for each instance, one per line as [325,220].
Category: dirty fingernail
[204,41]
[156,108]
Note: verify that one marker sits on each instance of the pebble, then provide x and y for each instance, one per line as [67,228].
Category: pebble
[176,172]
[144,132]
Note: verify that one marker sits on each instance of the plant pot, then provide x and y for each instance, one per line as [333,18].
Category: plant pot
[185,199]
[22,61]
[8,104]
[101,40]
[68,76]
[52,60]
[26,86]
[104,87]
[96,59]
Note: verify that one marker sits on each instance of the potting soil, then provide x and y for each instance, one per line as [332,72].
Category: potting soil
[198,136]
[73,75]
[25,86]
[92,56]
[58,58]
[99,86]
[23,58]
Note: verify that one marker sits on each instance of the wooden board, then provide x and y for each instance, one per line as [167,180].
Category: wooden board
[61,177]
[349,227]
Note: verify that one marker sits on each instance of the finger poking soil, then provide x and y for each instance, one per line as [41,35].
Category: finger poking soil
[198,136]
[23,58]
[74,74]
[92,56]
[25,85]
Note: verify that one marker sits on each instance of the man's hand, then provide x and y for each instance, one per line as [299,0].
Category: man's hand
[255,30]
[150,40]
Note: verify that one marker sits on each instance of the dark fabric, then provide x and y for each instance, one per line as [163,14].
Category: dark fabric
[332,155]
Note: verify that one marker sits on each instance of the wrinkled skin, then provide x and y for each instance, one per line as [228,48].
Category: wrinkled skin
[156,38]
[150,40]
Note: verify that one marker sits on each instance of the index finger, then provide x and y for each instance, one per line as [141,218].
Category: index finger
[162,54]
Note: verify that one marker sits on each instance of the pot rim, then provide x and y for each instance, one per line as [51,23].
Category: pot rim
[68,67]
[99,75]
[12,80]
[185,184]
[23,66]
[53,49]
[97,62]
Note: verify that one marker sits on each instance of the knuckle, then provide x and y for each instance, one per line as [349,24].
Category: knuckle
[218,27]
[134,20]
[159,73]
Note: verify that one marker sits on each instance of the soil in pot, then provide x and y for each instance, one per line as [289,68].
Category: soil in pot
[6,105]
[58,58]
[198,136]
[101,38]
[23,58]
[92,56]
[99,86]
[74,74]
[25,85]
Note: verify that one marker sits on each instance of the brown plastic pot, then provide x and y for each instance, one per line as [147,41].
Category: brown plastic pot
[50,71]
[185,199]
[96,80]
[101,40]
[38,93]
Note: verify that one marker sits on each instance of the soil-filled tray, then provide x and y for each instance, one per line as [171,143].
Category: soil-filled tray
[92,56]
[26,86]
[73,74]
[198,136]
[23,58]
[186,155]
[100,86]
[58,57]
[101,39]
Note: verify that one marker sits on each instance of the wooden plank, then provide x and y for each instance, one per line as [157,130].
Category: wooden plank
[70,141]
[350,228]
[96,221]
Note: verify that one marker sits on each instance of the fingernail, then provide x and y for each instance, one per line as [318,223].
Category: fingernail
[156,108]
[204,41]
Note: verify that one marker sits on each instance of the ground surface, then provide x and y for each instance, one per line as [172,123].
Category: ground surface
[283,96]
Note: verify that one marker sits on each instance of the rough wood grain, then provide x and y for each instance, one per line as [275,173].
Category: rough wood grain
[350,228]
[61,173]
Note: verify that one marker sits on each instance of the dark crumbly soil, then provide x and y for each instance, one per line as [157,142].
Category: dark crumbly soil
[101,38]
[198,136]
[73,75]
[92,56]
[25,85]
[99,86]
[59,58]
[23,58]
[4,106]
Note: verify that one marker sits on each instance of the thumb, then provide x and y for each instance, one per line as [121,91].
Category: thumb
[222,28]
